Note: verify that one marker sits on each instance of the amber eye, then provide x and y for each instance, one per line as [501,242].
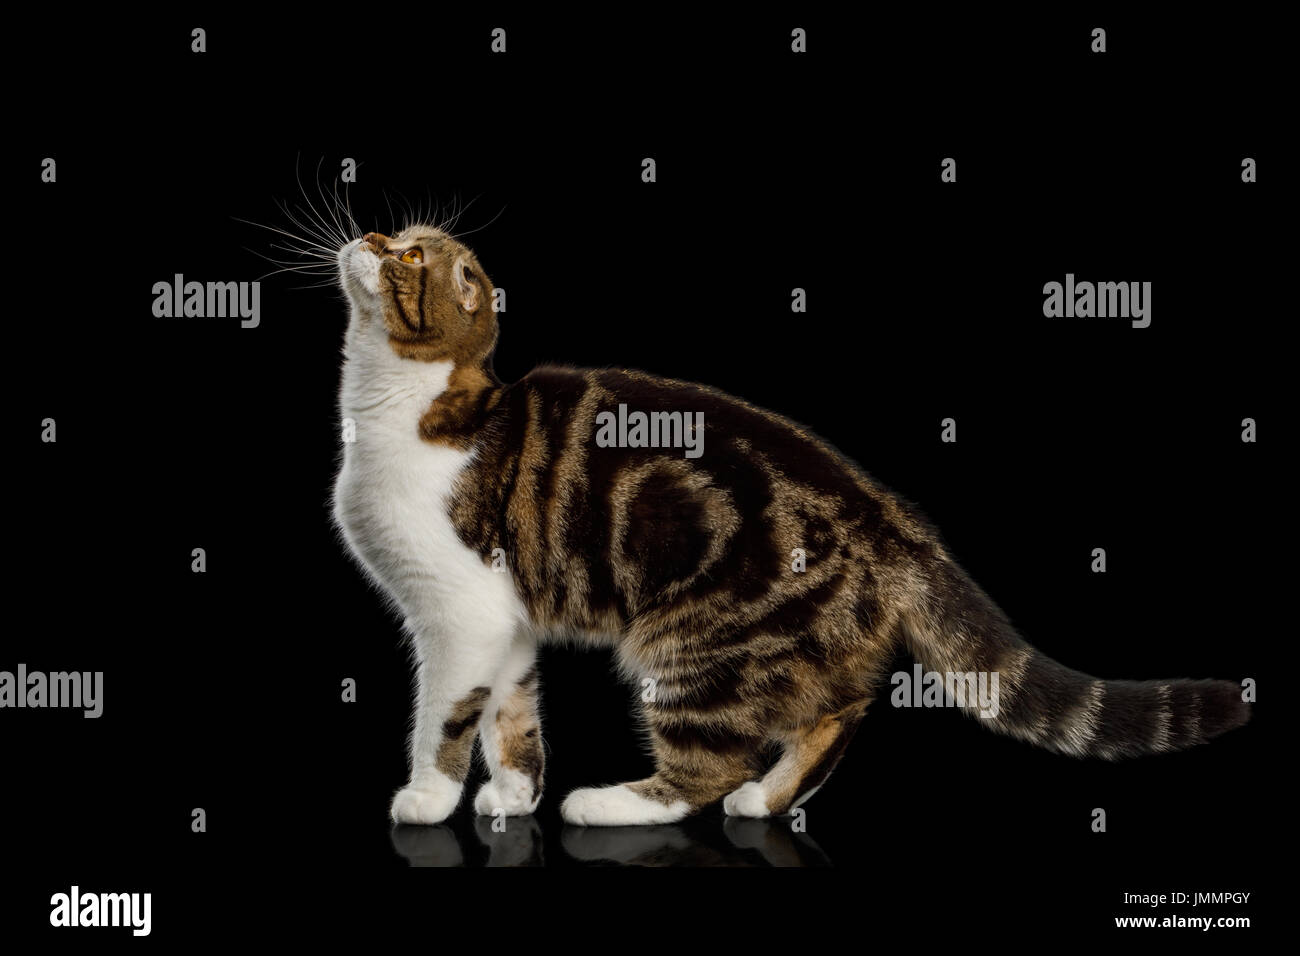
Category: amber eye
[412,255]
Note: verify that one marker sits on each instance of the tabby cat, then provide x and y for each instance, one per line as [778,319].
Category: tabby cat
[759,673]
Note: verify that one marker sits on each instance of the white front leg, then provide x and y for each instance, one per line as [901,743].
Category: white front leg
[455,673]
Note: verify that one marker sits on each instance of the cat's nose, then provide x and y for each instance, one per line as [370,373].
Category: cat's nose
[376,239]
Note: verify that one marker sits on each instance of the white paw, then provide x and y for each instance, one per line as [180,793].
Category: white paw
[510,791]
[429,803]
[618,806]
[749,801]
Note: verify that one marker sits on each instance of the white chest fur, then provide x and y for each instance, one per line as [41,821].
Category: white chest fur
[392,492]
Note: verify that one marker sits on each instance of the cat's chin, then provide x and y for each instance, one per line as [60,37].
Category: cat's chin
[359,273]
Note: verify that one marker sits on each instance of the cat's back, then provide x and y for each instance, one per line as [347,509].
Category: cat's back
[618,419]
[612,490]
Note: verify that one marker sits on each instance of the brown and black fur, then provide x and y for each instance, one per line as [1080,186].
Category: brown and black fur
[458,734]
[686,564]
[519,728]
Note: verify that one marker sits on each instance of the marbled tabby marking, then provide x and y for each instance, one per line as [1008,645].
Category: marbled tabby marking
[458,734]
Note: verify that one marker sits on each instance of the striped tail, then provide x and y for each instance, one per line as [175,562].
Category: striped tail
[959,630]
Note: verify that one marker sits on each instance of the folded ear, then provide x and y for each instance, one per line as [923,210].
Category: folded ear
[468,284]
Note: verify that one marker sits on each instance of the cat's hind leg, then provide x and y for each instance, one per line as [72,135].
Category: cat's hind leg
[809,756]
[689,776]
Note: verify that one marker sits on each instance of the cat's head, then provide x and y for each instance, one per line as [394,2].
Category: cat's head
[427,290]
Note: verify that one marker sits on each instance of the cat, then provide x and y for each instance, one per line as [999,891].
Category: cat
[759,674]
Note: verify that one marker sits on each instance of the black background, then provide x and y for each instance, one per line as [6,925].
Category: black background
[222,690]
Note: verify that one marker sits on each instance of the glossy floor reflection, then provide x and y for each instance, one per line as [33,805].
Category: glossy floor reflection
[703,842]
